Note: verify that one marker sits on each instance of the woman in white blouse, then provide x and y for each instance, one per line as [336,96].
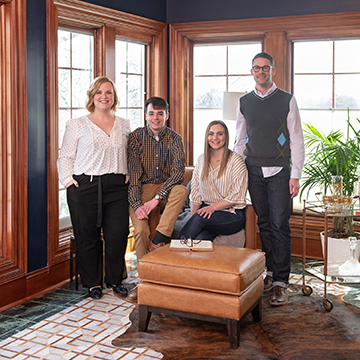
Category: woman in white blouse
[218,188]
[92,166]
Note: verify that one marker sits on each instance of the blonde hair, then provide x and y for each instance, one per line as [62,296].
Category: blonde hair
[207,150]
[94,87]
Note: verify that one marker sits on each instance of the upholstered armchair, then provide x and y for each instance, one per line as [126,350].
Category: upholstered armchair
[247,235]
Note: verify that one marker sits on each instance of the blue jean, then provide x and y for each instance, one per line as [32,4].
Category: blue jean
[272,203]
[220,223]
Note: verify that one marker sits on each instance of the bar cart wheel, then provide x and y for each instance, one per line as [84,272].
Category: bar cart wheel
[328,305]
[307,290]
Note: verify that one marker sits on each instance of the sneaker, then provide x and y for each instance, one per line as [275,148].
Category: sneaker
[268,283]
[279,296]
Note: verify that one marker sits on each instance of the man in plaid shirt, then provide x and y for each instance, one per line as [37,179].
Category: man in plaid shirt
[156,164]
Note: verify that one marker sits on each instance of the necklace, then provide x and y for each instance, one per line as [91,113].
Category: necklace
[216,158]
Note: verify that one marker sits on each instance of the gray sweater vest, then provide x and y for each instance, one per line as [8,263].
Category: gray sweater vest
[267,133]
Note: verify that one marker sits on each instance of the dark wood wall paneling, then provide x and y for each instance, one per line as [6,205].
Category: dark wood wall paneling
[13,150]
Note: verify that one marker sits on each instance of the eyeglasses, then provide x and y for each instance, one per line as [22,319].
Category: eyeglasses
[189,242]
[265,68]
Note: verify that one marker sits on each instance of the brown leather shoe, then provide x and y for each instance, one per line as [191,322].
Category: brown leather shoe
[268,283]
[279,296]
[153,246]
[133,295]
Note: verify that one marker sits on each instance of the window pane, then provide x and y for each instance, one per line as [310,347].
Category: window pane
[240,57]
[80,84]
[130,75]
[313,57]
[210,60]
[64,116]
[326,121]
[241,83]
[82,50]
[202,117]
[63,208]
[208,92]
[347,94]
[64,88]
[121,57]
[64,214]
[313,91]
[76,113]
[136,117]
[134,90]
[122,89]
[135,58]
[63,48]
[347,55]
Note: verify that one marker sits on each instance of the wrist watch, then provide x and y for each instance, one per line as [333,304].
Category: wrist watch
[157,197]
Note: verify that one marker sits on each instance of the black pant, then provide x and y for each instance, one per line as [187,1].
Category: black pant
[100,198]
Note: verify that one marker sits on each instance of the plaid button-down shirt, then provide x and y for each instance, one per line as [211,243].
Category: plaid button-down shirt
[153,162]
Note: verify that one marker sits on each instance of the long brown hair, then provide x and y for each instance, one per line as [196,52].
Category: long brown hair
[94,87]
[207,150]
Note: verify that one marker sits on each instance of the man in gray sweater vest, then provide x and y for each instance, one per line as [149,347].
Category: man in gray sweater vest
[269,136]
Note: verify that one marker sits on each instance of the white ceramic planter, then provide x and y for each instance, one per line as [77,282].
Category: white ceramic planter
[339,250]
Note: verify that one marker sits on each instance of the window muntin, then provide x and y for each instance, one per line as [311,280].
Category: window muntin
[219,68]
[325,77]
[130,81]
[75,73]
[324,74]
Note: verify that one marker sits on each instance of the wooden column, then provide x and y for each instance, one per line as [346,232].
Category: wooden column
[181,89]
[105,54]
[13,145]
[276,44]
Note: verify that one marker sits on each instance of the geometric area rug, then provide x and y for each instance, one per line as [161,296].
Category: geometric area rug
[301,329]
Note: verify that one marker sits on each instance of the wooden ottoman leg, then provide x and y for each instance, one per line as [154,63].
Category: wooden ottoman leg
[233,328]
[144,317]
[257,311]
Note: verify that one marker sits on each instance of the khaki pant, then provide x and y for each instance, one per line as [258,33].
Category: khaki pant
[170,207]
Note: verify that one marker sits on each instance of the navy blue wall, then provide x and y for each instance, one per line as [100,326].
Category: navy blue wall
[206,10]
[36,109]
[151,9]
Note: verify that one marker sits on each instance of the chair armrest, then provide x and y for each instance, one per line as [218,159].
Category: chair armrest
[250,227]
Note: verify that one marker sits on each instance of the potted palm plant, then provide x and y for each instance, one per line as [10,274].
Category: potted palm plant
[333,156]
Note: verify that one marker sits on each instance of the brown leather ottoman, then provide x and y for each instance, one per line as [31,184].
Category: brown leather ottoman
[222,286]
